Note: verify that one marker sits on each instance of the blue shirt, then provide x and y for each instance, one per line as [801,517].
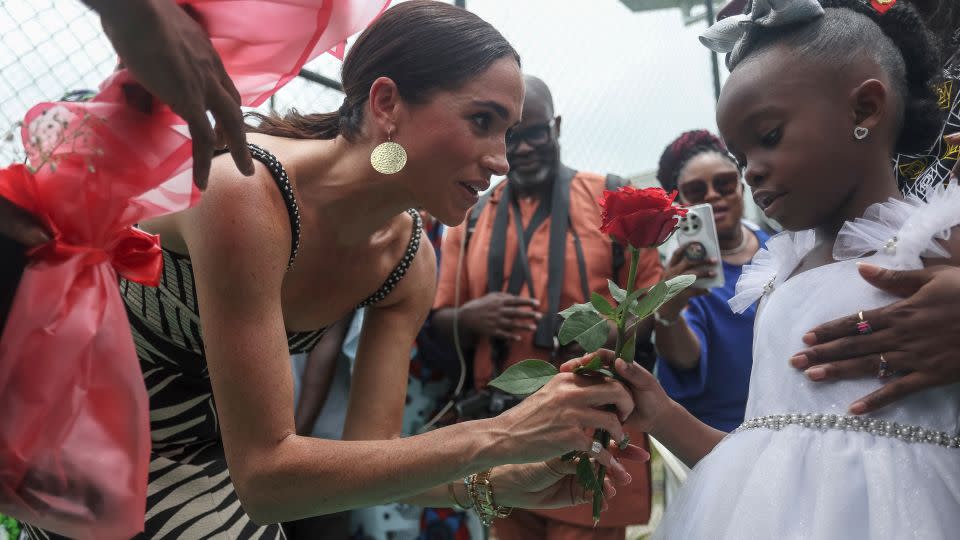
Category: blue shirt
[716,390]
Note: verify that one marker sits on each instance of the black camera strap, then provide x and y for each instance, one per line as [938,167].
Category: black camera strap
[558,208]
[521,273]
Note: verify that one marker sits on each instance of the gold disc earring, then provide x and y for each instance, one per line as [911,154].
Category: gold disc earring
[388,157]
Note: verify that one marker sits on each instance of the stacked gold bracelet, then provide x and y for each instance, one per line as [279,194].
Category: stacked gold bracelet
[480,491]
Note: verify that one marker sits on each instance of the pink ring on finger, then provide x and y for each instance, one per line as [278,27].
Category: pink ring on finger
[863,327]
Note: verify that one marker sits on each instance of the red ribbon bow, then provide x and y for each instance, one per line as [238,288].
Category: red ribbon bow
[133,253]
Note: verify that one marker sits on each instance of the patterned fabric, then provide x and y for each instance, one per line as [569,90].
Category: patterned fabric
[915,173]
[190,494]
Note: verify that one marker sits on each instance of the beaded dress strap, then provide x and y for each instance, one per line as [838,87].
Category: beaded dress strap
[286,191]
[397,274]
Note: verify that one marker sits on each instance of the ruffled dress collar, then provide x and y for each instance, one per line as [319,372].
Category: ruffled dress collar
[897,233]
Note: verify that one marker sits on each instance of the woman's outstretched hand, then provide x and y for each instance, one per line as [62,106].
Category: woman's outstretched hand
[918,337]
[553,484]
[561,417]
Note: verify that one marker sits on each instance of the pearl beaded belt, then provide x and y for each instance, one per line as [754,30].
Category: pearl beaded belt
[881,428]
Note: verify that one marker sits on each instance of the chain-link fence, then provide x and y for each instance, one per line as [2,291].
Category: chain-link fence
[54,47]
[627,75]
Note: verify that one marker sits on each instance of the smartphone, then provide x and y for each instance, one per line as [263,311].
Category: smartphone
[698,233]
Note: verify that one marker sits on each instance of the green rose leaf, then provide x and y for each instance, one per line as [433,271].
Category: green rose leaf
[601,304]
[678,284]
[588,328]
[577,308]
[525,377]
[591,366]
[616,292]
[629,300]
[586,475]
[660,293]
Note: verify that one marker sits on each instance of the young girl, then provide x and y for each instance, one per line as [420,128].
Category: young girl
[820,95]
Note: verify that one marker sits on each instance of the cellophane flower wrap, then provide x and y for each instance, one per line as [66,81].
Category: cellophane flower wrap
[75,435]
[637,219]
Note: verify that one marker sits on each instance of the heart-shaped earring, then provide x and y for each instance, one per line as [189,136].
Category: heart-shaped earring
[860,133]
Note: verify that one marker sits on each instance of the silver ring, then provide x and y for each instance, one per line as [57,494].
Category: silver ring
[596,447]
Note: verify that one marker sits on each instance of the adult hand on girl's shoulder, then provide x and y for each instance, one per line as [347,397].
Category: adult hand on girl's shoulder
[917,336]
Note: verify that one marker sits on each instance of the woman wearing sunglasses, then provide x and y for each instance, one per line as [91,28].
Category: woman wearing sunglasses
[704,349]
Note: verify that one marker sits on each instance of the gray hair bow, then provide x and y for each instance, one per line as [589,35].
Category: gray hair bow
[727,36]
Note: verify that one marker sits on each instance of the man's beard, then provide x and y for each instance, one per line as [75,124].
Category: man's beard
[532,180]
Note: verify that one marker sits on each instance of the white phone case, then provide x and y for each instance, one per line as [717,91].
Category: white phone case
[698,226]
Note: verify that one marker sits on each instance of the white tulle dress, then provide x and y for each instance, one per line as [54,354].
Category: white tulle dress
[799,466]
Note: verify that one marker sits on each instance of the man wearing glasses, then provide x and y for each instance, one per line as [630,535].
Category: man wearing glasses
[533,246]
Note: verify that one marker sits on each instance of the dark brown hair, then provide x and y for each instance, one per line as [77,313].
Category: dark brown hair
[422,45]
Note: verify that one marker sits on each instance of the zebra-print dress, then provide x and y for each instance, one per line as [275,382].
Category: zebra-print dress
[190,494]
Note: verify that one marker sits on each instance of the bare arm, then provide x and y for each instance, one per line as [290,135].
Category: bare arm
[318,374]
[378,387]
[238,240]
[238,237]
[686,436]
[657,414]
[677,344]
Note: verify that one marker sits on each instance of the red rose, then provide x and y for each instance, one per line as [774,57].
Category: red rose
[639,217]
